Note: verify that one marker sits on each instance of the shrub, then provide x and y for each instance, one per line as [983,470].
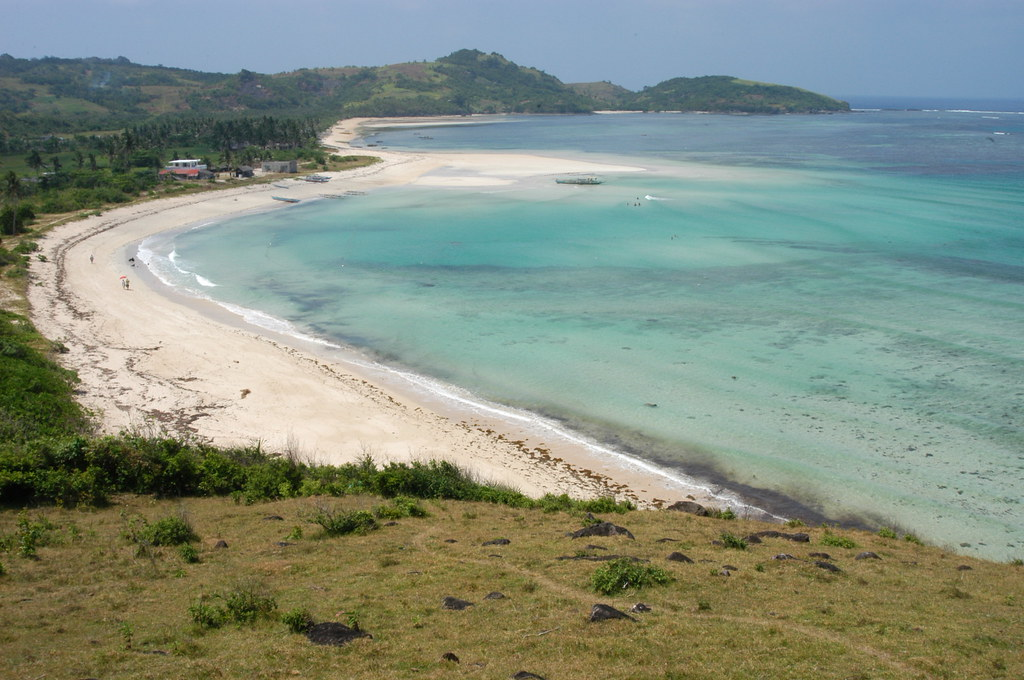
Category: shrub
[168,531]
[249,600]
[837,541]
[246,601]
[206,615]
[399,507]
[886,532]
[732,541]
[340,523]
[623,573]
[189,553]
[722,514]
[911,538]
[605,504]
[297,620]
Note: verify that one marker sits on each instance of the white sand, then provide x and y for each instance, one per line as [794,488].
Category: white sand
[153,361]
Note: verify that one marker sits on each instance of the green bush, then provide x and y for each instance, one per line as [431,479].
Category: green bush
[340,523]
[297,620]
[168,531]
[837,541]
[399,507]
[206,615]
[245,602]
[623,574]
[189,553]
[732,541]
[886,532]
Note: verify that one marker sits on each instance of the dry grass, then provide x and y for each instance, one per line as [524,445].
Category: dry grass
[94,605]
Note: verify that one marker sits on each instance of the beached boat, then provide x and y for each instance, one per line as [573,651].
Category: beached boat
[286,199]
[317,178]
[588,179]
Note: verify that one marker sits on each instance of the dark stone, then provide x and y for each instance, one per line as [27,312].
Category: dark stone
[679,557]
[333,633]
[602,529]
[595,547]
[449,656]
[450,540]
[690,507]
[494,596]
[604,612]
[498,541]
[220,544]
[730,567]
[526,675]
[725,572]
[275,518]
[753,539]
[667,540]
[820,556]
[283,544]
[827,566]
[867,555]
[391,524]
[771,533]
[964,567]
[639,608]
[784,556]
[599,558]
[455,603]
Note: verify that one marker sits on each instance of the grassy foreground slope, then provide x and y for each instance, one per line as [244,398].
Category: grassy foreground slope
[98,601]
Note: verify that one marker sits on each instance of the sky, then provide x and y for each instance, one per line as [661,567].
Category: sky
[911,48]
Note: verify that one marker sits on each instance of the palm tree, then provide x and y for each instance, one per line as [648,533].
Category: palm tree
[13,191]
[34,160]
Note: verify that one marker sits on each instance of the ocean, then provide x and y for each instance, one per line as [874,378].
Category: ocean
[821,315]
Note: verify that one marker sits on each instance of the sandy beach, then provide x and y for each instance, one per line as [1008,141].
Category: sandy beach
[152,360]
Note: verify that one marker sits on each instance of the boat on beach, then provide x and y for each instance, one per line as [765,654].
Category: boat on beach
[286,199]
[582,179]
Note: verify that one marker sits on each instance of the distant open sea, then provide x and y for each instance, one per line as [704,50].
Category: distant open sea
[831,320]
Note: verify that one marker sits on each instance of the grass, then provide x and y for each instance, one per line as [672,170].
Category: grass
[88,605]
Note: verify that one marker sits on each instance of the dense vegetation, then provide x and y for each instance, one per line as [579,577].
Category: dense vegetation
[726,94]
[53,96]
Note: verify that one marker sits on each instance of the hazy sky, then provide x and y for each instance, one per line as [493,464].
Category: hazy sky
[943,48]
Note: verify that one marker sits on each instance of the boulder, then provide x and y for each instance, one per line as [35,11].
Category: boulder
[690,507]
[604,612]
[455,603]
[333,633]
[602,529]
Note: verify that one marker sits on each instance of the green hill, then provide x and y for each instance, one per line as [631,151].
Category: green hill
[726,94]
[54,95]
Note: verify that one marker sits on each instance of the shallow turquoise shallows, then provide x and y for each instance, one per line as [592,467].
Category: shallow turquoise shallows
[831,316]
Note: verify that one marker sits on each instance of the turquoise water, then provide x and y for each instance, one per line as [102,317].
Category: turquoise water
[830,320]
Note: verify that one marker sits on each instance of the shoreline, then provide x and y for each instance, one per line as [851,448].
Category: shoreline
[153,360]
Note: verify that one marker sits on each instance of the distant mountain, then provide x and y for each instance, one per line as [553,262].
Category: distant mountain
[53,95]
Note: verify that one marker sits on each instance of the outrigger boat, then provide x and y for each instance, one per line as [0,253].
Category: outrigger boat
[587,179]
[286,199]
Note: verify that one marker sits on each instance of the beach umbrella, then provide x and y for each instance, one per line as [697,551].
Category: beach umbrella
[123,276]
